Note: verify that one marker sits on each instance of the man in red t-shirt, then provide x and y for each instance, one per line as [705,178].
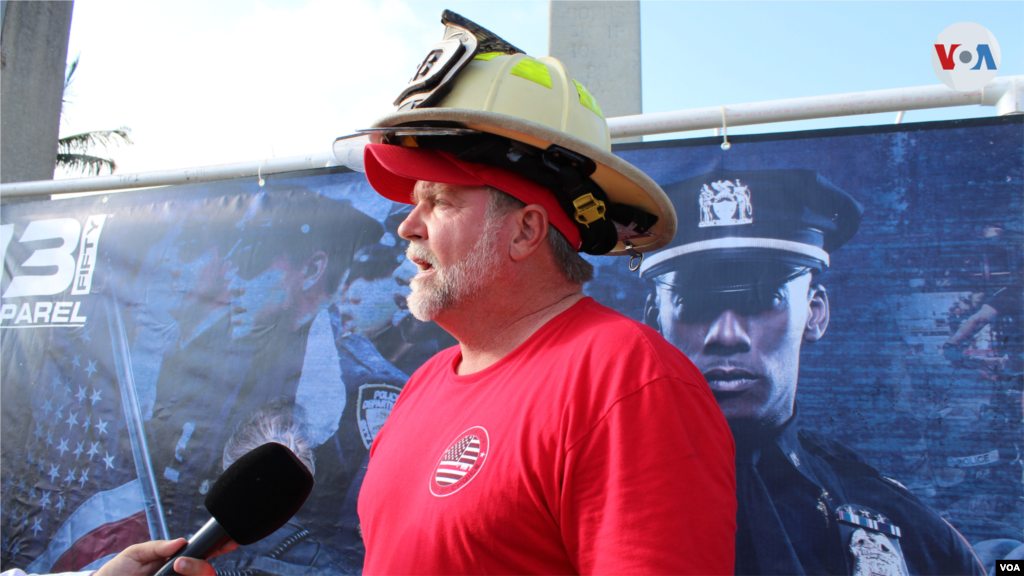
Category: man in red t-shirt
[558,437]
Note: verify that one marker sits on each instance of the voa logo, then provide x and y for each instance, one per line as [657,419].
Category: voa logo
[1008,566]
[62,254]
[965,56]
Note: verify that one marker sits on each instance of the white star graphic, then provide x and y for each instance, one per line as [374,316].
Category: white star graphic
[88,420]
[109,461]
[39,431]
[84,477]
[81,394]
[71,475]
[78,451]
[36,528]
[54,472]
[45,500]
[102,426]
[57,415]
[49,438]
[95,396]
[63,446]
[93,450]
[85,334]
[72,419]
[60,503]
[48,406]
[75,362]
[91,369]
[56,381]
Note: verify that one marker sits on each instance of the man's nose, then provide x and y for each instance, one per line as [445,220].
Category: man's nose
[412,227]
[727,334]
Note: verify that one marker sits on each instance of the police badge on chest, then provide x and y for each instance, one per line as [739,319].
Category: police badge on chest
[375,403]
[872,542]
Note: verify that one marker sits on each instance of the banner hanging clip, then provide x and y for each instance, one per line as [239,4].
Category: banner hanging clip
[725,134]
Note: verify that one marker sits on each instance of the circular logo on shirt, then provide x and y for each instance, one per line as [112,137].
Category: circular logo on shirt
[460,463]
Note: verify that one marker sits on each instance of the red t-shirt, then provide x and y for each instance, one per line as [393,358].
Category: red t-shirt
[593,447]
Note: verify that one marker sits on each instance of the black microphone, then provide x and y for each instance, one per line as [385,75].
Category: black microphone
[251,500]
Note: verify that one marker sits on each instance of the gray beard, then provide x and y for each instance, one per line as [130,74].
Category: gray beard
[451,285]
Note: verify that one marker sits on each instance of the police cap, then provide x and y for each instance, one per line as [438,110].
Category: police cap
[736,224]
[297,222]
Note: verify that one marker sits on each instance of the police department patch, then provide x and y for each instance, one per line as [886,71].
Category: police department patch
[460,463]
[374,404]
[725,204]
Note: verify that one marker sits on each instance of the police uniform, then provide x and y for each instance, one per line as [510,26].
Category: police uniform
[806,504]
[216,381]
[372,386]
[196,392]
[810,505]
[290,550]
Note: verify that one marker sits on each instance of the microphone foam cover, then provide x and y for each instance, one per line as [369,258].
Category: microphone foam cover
[259,493]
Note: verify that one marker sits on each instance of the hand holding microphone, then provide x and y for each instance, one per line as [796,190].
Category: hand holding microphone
[251,500]
[143,559]
[254,497]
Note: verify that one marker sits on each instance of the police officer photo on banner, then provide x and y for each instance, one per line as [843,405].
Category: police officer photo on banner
[285,265]
[738,292]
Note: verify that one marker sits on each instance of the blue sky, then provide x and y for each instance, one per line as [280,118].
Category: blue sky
[203,83]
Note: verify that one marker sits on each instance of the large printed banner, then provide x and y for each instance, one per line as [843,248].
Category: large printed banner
[150,338]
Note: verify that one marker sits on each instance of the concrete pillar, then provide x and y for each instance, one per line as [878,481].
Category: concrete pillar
[599,43]
[33,54]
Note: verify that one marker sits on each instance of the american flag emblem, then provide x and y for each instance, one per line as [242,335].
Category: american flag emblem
[460,463]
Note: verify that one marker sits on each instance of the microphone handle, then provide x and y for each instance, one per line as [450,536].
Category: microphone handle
[209,538]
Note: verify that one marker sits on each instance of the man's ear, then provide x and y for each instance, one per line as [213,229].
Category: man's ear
[313,269]
[651,311]
[532,229]
[817,320]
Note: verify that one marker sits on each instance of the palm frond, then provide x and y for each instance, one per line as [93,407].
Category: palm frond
[81,143]
[68,77]
[87,165]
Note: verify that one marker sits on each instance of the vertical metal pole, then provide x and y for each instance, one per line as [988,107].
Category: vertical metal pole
[133,416]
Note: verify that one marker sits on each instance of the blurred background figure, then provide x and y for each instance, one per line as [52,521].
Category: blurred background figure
[291,549]
[292,248]
[184,295]
[370,301]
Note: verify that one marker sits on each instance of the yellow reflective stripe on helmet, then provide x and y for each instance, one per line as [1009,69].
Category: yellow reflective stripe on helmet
[533,70]
[488,56]
[586,99]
